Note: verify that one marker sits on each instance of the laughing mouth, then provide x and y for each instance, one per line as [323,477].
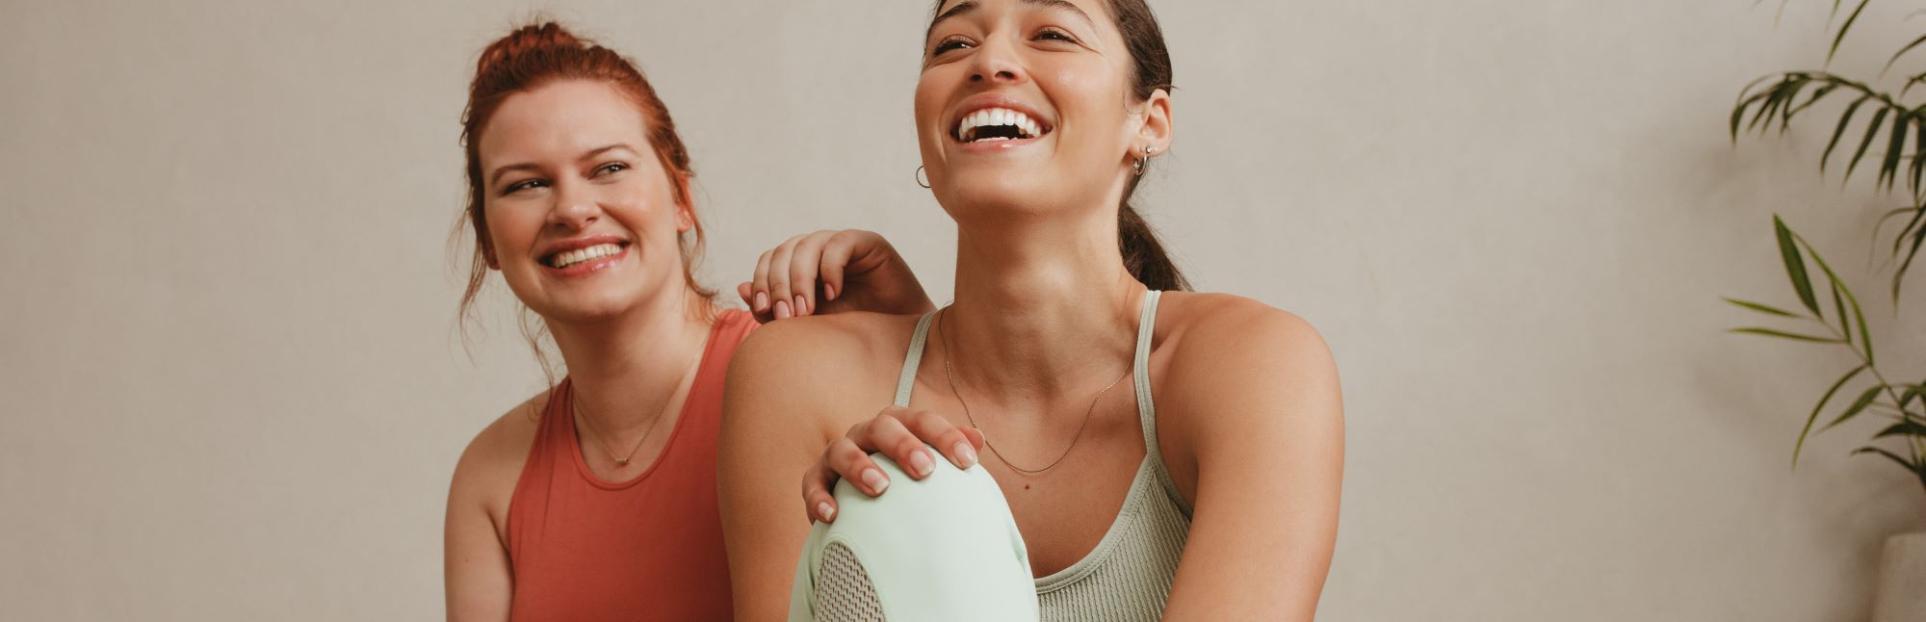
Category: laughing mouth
[995,124]
[565,259]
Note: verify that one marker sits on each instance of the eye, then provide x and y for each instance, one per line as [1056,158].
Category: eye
[952,43]
[523,185]
[1055,34]
[611,168]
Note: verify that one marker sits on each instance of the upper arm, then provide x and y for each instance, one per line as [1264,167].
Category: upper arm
[770,435]
[478,581]
[1259,400]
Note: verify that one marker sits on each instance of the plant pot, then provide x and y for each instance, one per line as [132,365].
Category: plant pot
[1901,595]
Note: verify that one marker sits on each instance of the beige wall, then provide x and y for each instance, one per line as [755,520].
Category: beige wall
[234,389]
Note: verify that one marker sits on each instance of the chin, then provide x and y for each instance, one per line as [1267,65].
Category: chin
[1002,194]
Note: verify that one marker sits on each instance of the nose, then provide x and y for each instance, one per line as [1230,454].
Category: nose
[574,208]
[996,63]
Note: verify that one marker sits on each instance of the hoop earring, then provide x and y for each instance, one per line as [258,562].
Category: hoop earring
[1137,165]
[921,178]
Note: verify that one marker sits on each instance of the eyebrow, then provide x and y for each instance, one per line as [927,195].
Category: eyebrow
[496,177]
[965,7]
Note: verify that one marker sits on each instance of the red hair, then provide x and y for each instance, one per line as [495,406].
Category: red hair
[533,56]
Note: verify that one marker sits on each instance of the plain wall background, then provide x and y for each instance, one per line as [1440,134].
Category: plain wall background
[235,390]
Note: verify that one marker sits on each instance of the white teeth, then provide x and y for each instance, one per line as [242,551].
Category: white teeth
[570,258]
[1025,125]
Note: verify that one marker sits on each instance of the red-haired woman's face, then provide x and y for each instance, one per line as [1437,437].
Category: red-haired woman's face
[582,217]
[1026,103]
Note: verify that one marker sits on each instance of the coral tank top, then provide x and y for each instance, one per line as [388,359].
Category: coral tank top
[649,548]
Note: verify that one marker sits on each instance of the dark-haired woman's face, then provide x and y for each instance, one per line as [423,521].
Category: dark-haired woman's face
[582,216]
[1026,103]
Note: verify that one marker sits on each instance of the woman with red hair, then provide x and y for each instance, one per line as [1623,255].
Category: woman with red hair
[596,499]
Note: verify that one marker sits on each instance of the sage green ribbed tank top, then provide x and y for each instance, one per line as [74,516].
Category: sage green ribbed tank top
[1127,576]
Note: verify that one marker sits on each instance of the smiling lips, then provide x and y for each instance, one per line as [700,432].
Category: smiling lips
[569,259]
[995,124]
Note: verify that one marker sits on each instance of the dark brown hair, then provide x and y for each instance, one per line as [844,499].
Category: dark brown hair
[535,55]
[1143,254]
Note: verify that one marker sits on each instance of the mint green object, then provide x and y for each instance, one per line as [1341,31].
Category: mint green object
[947,547]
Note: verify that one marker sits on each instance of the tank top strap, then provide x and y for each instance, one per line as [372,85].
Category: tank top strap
[907,380]
[1140,373]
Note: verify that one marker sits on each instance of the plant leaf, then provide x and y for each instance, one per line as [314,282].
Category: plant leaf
[1844,28]
[1889,455]
[1903,428]
[1839,305]
[1768,332]
[1889,169]
[1795,264]
[1902,52]
[1919,237]
[1766,309]
[1746,99]
[1838,287]
[1872,131]
[1817,94]
[1919,160]
[1839,132]
[1816,408]
[1858,406]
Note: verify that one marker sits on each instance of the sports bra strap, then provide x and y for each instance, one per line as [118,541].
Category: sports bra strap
[907,380]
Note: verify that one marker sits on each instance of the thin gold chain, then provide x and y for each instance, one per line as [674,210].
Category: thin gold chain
[950,375]
[603,439]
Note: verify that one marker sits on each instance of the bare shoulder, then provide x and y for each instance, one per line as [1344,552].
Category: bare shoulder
[492,462]
[1224,350]
[820,358]
[1202,326]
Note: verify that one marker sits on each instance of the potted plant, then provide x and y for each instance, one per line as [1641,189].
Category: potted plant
[1882,128]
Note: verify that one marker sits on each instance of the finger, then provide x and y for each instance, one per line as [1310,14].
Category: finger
[760,284]
[779,286]
[818,503]
[852,463]
[938,432]
[888,434]
[835,259]
[747,292]
[802,269]
[975,436]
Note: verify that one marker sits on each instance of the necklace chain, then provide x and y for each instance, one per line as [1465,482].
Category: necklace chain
[950,375]
[575,407]
[603,439]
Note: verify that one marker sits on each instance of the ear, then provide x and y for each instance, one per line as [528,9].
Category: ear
[685,207]
[1155,133]
[488,256]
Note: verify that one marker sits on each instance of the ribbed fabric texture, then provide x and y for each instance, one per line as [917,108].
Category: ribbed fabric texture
[1127,576]
[650,548]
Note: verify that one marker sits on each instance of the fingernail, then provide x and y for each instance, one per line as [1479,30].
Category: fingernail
[876,482]
[802,305]
[762,302]
[920,462]
[965,454]
[829,292]
[823,510]
[782,309]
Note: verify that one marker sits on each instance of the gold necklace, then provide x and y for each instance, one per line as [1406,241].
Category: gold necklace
[576,409]
[604,438]
[950,375]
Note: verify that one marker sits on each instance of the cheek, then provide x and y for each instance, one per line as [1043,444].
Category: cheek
[509,230]
[932,90]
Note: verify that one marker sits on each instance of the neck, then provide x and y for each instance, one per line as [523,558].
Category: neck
[1044,309]
[626,368]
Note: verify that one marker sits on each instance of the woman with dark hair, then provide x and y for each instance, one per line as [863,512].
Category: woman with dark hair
[596,499]
[1205,486]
